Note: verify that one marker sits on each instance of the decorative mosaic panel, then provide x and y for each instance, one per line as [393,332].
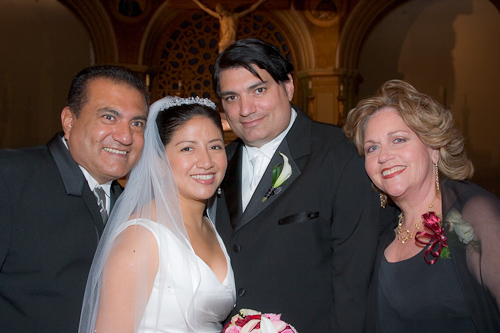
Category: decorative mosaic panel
[186,62]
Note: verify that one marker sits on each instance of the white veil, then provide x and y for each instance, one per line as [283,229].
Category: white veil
[151,193]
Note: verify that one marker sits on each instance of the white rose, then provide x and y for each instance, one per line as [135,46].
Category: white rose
[463,229]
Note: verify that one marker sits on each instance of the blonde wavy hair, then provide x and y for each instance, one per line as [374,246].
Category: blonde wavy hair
[432,122]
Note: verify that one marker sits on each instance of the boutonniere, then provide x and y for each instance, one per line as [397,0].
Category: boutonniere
[280,175]
[438,243]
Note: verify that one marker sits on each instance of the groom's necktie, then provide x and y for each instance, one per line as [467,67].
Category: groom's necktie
[101,202]
[258,164]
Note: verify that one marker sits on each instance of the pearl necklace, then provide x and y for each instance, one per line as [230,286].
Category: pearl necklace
[407,233]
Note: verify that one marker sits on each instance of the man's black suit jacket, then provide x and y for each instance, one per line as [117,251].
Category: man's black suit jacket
[308,251]
[49,229]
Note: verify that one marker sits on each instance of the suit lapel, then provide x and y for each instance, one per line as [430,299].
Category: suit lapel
[256,206]
[296,146]
[232,184]
[73,179]
[91,203]
[116,190]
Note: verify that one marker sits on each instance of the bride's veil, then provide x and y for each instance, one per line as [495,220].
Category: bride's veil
[151,193]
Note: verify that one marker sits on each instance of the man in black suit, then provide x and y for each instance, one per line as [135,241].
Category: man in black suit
[307,249]
[50,219]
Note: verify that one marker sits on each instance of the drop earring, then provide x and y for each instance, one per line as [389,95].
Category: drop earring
[383,200]
[437,176]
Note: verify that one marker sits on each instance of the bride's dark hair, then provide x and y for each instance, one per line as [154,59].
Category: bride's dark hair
[171,119]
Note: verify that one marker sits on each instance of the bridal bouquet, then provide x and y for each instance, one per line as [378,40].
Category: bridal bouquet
[253,321]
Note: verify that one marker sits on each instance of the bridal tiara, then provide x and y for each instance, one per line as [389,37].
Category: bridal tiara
[178,101]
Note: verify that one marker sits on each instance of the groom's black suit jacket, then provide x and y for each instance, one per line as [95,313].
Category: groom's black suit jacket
[49,229]
[308,251]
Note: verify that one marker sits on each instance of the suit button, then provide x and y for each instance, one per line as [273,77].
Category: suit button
[236,248]
[241,292]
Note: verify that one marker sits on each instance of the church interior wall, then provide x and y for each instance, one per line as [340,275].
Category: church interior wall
[43,47]
[45,42]
[448,49]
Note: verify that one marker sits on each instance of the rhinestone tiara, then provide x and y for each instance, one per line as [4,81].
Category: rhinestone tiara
[178,101]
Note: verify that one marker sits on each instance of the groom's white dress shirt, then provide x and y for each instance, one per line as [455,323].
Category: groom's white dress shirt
[250,173]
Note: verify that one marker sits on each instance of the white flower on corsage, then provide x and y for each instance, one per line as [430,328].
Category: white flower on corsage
[464,230]
[280,176]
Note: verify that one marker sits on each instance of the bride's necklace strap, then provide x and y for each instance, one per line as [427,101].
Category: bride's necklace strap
[404,235]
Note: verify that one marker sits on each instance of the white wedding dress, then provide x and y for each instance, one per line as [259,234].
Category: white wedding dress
[213,300]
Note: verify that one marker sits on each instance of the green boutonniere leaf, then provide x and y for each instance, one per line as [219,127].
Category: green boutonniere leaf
[276,172]
[280,175]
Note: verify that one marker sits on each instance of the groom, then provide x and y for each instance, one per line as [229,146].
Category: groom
[307,250]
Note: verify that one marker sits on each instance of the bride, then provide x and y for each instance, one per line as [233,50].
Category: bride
[160,265]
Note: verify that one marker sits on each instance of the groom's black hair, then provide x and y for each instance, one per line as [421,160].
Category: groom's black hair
[247,52]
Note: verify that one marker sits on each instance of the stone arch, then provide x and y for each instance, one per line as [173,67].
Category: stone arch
[154,31]
[291,26]
[96,20]
[358,25]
